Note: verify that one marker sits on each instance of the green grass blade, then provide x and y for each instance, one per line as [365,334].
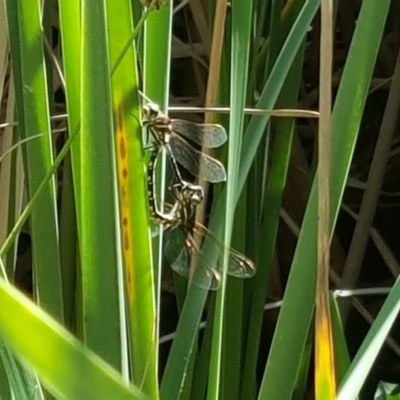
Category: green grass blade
[270,93]
[33,111]
[156,72]
[5,384]
[294,322]
[198,379]
[157,55]
[24,384]
[134,216]
[37,195]
[9,203]
[68,243]
[371,346]
[240,47]
[182,346]
[70,24]
[70,27]
[233,339]
[342,357]
[255,129]
[303,368]
[99,242]
[280,157]
[80,375]
[13,376]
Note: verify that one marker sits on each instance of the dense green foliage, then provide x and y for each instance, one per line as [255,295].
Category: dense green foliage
[93,330]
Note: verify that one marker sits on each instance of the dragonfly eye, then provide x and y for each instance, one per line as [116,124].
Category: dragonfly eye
[196,194]
[187,192]
[151,111]
[154,109]
[196,199]
[191,199]
[146,111]
[192,193]
[196,190]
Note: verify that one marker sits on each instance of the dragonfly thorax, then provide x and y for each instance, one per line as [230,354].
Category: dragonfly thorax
[187,196]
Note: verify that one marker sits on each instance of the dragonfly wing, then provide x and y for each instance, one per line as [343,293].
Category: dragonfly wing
[181,264]
[180,258]
[205,135]
[156,229]
[175,240]
[212,170]
[239,265]
[202,277]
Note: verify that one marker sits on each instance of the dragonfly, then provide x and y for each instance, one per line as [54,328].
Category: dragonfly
[185,234]
[177,136]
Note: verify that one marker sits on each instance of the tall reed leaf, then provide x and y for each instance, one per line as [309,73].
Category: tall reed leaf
[33,114]
[294,321]
[133,209]
[239,63]
[191,313]
[80,375]
[99,244]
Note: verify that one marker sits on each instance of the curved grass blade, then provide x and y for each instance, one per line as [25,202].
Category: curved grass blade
[69,370]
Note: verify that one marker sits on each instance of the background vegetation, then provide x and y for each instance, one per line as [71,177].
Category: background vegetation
[108,318]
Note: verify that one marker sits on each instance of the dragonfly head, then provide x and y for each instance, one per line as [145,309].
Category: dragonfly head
[151,111]
[159,124]
[187,193]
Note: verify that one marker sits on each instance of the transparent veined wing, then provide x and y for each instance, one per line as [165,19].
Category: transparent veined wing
[194,161]
[179,256]
[181,248]
[239,265]
[205,135]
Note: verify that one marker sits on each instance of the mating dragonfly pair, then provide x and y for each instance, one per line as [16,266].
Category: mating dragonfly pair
[172,135]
